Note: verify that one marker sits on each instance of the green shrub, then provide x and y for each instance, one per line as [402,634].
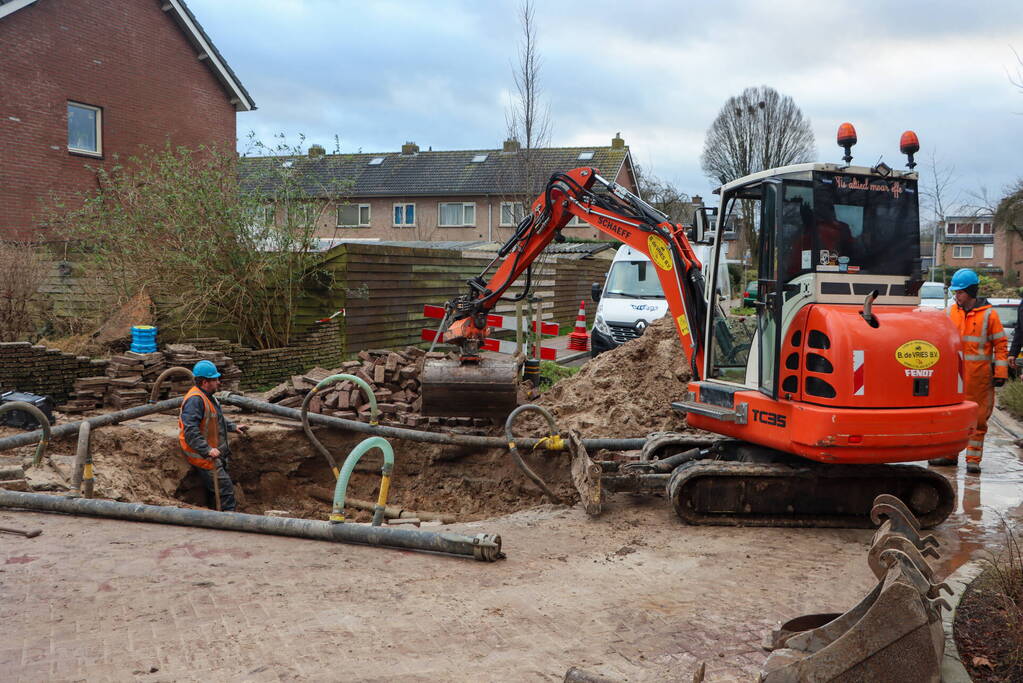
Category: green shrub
[1010,397]
[551,373]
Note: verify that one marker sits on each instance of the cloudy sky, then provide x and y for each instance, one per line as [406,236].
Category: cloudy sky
[439,72]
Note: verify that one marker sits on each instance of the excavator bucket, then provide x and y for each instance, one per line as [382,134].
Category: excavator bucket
[485,389]
[894,633]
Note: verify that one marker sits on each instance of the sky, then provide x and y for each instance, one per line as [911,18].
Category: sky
[374,74]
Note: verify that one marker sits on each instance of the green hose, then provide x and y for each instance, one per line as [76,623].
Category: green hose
[374,412]
[337,514]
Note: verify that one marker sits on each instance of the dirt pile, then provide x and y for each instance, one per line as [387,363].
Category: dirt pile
[626,391]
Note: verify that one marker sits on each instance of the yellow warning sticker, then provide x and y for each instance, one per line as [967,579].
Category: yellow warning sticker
[660,252]
[917,354]
[683,325]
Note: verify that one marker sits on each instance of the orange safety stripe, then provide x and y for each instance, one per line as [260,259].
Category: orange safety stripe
[208,426]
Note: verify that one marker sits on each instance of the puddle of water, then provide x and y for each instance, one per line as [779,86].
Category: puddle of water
[984,501]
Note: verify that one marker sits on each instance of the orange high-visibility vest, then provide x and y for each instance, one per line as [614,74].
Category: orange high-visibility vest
[208,426]
[985,344]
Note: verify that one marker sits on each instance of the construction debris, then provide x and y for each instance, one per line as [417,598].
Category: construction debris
[394,378]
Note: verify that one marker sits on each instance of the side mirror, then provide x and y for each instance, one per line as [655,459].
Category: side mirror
[705,224]
[595,289]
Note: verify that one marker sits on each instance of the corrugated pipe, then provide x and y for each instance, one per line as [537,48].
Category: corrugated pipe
[98,421]
[412,434]
[482,547]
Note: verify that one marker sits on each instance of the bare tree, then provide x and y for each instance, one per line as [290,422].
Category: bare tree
[758,129]
[664,196]
[527,117]
[937,190]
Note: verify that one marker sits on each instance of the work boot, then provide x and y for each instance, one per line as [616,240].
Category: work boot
[943,462]
[973,467]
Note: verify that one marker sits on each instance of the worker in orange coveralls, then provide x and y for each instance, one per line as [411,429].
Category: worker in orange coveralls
[985,356]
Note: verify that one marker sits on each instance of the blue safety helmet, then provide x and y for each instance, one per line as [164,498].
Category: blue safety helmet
[205,369]
[963,278]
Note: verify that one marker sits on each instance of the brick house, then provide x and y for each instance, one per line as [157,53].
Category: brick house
[459,195]
[973,242]
[85,81]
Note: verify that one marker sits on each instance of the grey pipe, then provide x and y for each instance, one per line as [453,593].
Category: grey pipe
[631,444]
[45,434]
[82,480]
[98,421]
[483,547]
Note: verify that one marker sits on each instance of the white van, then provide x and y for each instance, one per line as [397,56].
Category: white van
[632,298]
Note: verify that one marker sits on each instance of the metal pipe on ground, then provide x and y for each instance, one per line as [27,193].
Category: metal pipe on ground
[97,421]
[630,444]
[482,547]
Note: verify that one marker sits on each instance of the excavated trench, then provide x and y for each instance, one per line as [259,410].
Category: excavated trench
[276,468]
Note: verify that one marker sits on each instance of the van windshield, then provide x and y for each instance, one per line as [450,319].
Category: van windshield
[932,290]
[633,280]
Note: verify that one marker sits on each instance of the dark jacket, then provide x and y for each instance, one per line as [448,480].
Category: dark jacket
[1017,340]
[191,416]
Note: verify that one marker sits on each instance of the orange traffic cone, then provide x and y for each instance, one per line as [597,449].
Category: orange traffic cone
[579,340]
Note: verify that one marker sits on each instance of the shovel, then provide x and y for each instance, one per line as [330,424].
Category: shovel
[26,534]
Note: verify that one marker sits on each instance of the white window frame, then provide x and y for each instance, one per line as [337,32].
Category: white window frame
[404,210]
[98,152]
[466,206]
[989,251]
[962,251]
[359,208]
[522,212]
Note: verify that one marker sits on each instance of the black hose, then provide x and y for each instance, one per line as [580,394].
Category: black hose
[629,444]
[515,451]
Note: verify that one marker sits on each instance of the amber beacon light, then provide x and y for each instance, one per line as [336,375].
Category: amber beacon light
[909,145]
[846,140]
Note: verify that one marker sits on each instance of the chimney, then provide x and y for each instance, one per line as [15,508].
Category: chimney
[617,142]
[511,146]
[316,151]
[409,148]
[697,200]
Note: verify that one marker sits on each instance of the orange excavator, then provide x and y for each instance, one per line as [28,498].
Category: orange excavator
[844,374]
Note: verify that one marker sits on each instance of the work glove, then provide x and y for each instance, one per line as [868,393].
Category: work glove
[999,381]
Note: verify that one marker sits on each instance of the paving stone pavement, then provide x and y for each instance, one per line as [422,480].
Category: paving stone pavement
[634,594]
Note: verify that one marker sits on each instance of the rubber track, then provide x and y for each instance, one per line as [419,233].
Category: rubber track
[686,475]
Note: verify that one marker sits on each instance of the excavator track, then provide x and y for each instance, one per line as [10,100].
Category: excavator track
[730,493]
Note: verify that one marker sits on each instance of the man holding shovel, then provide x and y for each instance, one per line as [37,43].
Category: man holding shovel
[203,433]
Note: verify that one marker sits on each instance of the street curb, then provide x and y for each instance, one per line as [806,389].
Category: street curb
[573,356]
[952,669]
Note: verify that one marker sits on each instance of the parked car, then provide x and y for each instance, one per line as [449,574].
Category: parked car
[933,295]
[1006,310]
[750,295]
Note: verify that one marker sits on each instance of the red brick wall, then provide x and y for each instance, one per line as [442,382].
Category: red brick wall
[126,56]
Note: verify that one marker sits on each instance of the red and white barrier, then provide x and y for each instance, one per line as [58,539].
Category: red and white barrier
[498,322]
[579,340]
[498,345]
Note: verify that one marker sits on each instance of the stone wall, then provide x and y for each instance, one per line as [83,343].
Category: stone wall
[39,370]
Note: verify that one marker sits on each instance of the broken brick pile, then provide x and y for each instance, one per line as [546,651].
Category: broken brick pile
[394,378]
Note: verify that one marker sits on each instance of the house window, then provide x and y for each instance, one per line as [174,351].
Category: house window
[962,251]
[353,216]
[404,215]
[303,214]
[511,213]
[456,214]
[989,251]
[84,129]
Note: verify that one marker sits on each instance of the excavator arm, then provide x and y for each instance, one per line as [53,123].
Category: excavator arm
[612,209]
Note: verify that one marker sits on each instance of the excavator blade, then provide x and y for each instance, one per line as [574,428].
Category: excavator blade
[485,389]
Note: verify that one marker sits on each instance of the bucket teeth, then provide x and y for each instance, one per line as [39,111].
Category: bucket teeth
[894,633]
